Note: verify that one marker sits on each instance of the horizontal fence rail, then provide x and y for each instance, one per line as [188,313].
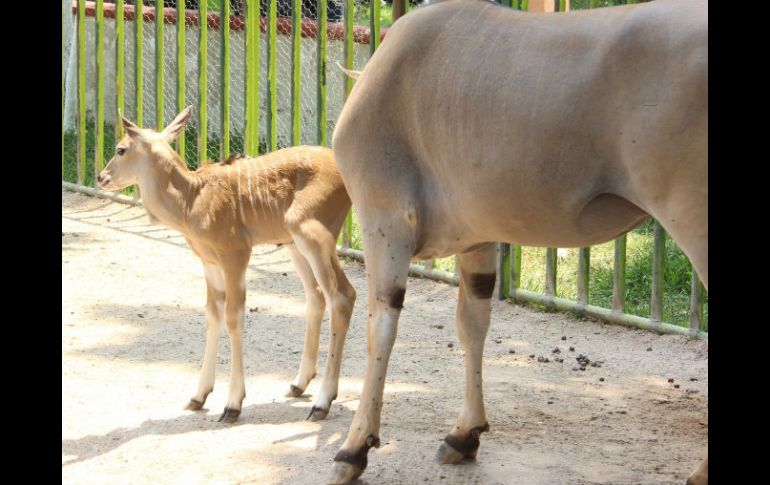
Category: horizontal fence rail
[258,75]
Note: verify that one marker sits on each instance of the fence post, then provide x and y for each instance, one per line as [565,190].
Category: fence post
[138,62]
[81,36]
[181,19]
[658,268]
[399,9]
[322,34]
[504,271]
[203,24]
[584,275]
[272,117]
[63,11]
[251,141]
[119,66]
[99,145]
[159,17]
[347,13]
[550,271]
[696,304]
[374,26]
[296,72]
[619,276]
[224,26]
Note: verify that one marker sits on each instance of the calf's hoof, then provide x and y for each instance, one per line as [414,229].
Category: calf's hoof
[456,448]
[294,391]
[230,415]
[317,414]
[194,405]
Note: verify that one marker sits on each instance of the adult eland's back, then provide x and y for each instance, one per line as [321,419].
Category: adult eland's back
[580,125]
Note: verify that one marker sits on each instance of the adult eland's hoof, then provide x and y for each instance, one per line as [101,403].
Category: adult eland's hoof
[446,455]
[194,405]
[349,465]
[457,447]
[317,414]
[294,391]
[230,415]
[343,472]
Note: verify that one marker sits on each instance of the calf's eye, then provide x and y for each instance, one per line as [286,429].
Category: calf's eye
[121,151]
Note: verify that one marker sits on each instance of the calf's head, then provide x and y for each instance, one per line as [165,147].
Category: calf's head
[138,151]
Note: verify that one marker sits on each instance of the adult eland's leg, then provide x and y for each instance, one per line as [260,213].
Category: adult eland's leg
[477,282]
[388,247]
[315,307]
[215,306]
[317,244]
[235,300]
[701,475]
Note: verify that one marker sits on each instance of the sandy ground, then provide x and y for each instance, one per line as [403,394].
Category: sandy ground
[133,340]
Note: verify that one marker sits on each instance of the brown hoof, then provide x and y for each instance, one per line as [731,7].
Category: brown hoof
[294,391]
[194,405]
[317,414]
[230,415]
[456,448]
[349,465]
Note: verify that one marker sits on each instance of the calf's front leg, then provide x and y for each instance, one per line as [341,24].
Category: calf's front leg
[235,299]
[215,307]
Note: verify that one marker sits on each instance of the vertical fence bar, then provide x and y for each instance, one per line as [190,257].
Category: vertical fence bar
[159,17]
[658,267]
[348,12]
[562,5]
[296,72]
[399,9]
[696,304]
[81,91]
[272,26]
[181,18]
[584,274]
[504,271]
[224,28]
[550,271]
[202,83]
[99,150]
[515,266]
[139,65]
[120,37]
[525,5]
[457,266]
[374,25]
[63,11]
[321,68]
[252,78]
[619,276]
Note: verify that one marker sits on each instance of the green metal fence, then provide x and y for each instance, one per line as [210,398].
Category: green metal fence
[270,52]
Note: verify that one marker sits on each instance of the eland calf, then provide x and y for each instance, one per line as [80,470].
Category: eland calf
[475,123]
[293,197]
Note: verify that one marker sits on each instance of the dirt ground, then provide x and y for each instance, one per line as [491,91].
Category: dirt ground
[133,341]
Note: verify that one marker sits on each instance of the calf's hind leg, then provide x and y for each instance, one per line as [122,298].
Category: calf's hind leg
[477,282]
[315,307]
[317,244]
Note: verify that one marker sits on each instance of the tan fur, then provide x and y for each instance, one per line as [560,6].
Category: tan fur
[475,123]
[293,197]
